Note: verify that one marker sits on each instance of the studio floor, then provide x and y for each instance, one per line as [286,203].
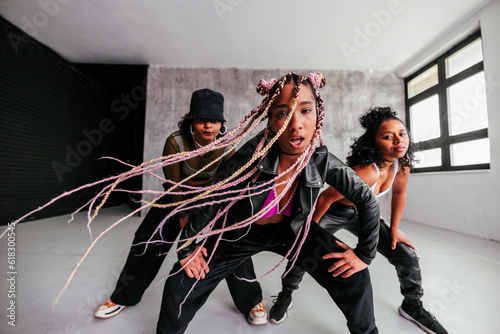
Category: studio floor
[461,281]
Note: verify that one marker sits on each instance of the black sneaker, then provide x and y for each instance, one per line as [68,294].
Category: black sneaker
[425,320]
[281,305]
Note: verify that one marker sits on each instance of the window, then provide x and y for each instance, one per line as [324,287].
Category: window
[446,110]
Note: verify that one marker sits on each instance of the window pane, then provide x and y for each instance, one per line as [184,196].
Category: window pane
[470,152]
[464,58]
[423,82]
[467,103]
[428,158]
[424,119]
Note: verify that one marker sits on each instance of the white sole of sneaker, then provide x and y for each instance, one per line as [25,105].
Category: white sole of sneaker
[276,322]
[258,321]
[110,314]
[408,317]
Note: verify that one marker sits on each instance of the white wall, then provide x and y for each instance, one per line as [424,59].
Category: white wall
[467,202]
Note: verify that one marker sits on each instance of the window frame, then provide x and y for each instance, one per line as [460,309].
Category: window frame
[445,140]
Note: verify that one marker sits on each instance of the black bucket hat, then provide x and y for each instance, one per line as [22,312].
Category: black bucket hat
[206,104]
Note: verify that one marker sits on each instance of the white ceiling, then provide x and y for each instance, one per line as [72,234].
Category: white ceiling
[379,35]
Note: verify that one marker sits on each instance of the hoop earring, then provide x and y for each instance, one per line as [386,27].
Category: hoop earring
[191,129]
[222,133]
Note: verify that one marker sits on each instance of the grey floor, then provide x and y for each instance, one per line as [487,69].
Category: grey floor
[461,282]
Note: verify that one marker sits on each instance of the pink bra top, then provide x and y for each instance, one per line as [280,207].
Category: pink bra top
[286,210]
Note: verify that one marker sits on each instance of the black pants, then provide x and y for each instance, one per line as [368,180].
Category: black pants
[403,257]
[144,262]
[353,295]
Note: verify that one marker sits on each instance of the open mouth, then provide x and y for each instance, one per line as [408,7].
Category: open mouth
[296,141]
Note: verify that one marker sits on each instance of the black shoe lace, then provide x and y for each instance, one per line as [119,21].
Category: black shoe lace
[280,298]
[430,320]
[277,298]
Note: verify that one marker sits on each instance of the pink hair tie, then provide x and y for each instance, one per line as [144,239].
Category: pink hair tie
[317,80]
[263,88]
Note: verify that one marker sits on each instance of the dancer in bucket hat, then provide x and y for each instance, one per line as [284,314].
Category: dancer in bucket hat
[198,128]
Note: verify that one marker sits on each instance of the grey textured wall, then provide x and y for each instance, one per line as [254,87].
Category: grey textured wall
[347,95]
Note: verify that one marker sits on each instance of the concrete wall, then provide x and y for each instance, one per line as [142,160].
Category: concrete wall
[347,95]
[467,202]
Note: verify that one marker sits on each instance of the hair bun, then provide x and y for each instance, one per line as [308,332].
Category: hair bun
[264,87]
[317,80]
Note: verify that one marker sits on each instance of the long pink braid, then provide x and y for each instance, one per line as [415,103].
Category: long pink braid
[253,116]
[233,138]
[259,214]
[318,81]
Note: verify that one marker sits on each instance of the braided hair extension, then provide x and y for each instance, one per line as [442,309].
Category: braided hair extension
[272,90]
[220,192]
[301,162]
[364,151]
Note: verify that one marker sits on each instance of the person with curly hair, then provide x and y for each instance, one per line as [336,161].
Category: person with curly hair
[382,157]
[263,200]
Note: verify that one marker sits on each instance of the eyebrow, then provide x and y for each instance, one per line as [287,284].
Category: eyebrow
[285,105]
[394,131]
[306,102]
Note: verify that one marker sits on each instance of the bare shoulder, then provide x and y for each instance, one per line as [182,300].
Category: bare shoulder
[403,174]
[369,173]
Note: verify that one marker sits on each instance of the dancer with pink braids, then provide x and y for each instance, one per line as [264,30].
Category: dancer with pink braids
[200,127]
[263,199]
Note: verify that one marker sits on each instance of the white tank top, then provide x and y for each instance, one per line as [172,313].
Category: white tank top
[396,162]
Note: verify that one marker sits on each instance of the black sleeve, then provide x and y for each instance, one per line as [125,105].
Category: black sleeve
[200,217]
[349,184]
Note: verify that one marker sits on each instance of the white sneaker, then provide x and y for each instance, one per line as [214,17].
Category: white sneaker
[108,309]
[258,315]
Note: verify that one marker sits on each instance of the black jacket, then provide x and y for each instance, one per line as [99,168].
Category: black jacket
[322,167]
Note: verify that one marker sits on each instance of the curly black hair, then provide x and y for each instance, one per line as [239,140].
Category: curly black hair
[364,150]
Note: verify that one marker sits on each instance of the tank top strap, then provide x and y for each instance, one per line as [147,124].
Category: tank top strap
[378,175]
[376,167]
[179,141]
[395,166]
